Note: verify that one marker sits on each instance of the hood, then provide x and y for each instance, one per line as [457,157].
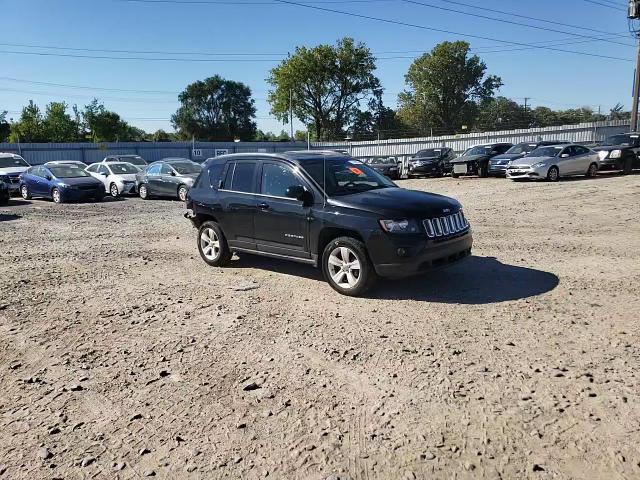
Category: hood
[424,159]
[191,176]
[81,181]
[509,156]
[470,158]
[530,160]
[608,148]
[8,170]
[127,177]
[399,203]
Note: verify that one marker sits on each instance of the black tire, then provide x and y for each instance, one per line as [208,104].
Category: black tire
[207,232]
[592,171]
[454,175]
[99,198]
[182,193]
[553,174]
[4,201]
[113,190]
[355,249]
[627,167]
[24,191]
[143,191]
[483,171]
[56,196]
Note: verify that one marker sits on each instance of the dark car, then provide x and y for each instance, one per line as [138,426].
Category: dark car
[136,160]
[475,161]
[498,165]
[170,177]
[386,166]
[4,189]
[432,161]
[61,183]
[326,210]
[620,152]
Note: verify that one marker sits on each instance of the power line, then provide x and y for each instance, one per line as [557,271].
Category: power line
[510,22]
[448,32]
[602,4]
[85,87]
[518,15]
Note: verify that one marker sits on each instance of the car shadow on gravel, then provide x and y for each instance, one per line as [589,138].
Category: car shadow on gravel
[7,217]
[474,281]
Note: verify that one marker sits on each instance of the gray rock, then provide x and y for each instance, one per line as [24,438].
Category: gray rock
[87,461]
[149,473]
[44,453]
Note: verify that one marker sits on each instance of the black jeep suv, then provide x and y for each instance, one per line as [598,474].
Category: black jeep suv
[323,209]
[620,152]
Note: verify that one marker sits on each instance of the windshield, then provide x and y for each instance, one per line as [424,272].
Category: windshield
[480,150]
[136,160]
[123,168]
[186,168]
[10,162]
[345,176]
[522,148]
[622,140]
[380,161]
[433,152]
[546,151]
[68,171]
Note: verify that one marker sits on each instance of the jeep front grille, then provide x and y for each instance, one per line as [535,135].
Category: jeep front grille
[445,226]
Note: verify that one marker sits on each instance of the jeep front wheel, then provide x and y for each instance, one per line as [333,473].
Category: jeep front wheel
[347,267]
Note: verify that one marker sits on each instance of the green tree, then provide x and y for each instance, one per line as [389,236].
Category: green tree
[216,109]
[161,136]
[325,86]
[106,126]
[618,113]
[58,125]
[30,127]
[5,127]
[501,113]
[445,87]
[378,122]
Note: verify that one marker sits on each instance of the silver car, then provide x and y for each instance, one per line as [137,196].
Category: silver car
[119,178]
[552,162]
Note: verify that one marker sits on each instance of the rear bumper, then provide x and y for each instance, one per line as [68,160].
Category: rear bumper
[424,255]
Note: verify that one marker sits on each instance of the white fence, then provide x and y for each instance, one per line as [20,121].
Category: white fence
[583,133]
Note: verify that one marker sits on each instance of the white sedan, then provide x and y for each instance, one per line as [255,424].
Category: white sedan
[118,178]
[552,162]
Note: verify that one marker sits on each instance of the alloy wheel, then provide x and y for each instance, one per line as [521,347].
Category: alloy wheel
[24,192]
[210,244]
[344,267]
[182,194]
[114,190]
[56,195]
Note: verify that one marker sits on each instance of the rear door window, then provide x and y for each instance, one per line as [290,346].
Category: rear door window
[214,172]
[244,177]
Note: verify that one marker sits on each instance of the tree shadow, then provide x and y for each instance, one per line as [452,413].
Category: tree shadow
[473,281]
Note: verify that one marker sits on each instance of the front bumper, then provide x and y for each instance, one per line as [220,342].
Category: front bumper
[611,164]
[420,254]
[466,168]
[128,188]
[77,194]
[498,169]
[530,173]
[425,169]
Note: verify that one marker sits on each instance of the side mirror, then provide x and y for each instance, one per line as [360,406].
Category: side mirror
[173,174]
[105,174]
[300,193]
[564,155]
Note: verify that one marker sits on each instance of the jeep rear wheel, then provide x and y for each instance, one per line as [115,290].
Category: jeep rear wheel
[212,245]
[346,266]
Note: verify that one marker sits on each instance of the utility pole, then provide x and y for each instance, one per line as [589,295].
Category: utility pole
[634,14]
[291,111]
[526,101]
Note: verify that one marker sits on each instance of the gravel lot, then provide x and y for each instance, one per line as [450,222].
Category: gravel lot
[123,355]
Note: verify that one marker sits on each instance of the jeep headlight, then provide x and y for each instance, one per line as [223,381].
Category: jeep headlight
[616,154]
[603,154]
[399,226]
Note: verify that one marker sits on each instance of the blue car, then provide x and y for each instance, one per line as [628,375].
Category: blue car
[61,183]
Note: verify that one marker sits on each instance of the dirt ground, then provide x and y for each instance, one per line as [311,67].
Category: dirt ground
[123,355]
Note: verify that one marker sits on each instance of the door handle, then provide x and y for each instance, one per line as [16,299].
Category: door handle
[263,206]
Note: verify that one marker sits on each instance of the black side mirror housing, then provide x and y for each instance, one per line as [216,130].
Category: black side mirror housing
[49,177]
[173,174]
[300,193]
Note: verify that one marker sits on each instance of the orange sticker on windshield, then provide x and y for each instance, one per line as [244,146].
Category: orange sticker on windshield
[355,170]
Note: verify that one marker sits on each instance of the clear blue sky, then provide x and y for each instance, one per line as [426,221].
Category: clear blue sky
[554,79]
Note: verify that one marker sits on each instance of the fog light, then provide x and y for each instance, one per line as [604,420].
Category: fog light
[402,252]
